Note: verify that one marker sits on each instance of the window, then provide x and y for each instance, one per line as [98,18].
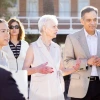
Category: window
[81,4]
[32,8]
[64,8]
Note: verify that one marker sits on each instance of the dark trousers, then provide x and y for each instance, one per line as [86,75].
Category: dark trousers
[67,81]
[93,91]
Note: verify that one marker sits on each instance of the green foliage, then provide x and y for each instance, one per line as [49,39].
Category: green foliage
[4,5]
[31,37]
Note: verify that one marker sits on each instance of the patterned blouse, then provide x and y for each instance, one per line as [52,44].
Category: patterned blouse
[15,49]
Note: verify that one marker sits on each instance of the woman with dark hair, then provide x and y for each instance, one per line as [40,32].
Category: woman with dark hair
[17,47]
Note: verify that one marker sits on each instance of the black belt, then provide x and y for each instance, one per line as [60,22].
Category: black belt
[94,78]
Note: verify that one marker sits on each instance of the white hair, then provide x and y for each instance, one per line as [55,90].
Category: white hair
[44,19]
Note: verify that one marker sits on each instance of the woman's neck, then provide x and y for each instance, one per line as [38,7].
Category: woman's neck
[14,40]
[46,41]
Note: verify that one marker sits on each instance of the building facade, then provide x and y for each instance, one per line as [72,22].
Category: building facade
[67,12]
[62,8]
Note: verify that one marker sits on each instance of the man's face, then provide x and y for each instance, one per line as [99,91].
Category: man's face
[4,34]
[89,21]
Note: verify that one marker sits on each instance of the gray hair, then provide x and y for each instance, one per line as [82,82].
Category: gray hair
[44,19]
[88,9]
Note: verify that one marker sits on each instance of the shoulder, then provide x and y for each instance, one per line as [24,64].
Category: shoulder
[6,48]
[4,73]
[32,46]
[24,42]
[32,43]
[7,85]
[76,34]
[55,44]
[4,76]
[35,43]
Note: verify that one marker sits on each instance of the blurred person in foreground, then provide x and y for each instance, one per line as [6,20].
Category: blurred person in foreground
[85,45]
[45,58]
[8,87]
[17,47]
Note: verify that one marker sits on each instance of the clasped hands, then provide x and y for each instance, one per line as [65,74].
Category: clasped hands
[94,61]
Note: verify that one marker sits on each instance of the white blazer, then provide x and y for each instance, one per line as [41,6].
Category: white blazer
[20,59]
[46,86]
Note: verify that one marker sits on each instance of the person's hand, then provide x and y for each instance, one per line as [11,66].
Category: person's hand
[44,69]
[97,62]
[77,66]
[92,60]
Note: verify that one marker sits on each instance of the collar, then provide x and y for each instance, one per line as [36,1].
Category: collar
[40,43]
[86,34]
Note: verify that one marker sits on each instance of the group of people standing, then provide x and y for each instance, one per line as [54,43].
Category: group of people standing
[80,59]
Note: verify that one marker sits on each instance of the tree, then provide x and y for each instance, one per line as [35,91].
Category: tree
[4,5]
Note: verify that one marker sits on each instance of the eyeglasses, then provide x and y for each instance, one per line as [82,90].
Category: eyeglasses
[12,27]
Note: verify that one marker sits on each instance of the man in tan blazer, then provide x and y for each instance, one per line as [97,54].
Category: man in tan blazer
[85,45]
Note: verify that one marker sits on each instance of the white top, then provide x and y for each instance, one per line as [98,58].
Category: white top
[20,60]
[92,45]
[46,86]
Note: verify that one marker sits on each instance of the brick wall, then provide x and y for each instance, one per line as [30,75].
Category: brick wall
[74,9]
[22,7]
[96,3]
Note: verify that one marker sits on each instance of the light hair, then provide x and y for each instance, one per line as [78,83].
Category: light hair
[43,21]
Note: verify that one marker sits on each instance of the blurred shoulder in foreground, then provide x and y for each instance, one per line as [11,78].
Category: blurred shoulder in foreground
[8,87]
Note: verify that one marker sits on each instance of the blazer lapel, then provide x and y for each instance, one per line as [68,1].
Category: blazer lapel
[44,50]
[83,43]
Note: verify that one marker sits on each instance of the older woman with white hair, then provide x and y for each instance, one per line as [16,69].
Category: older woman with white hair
[45,58]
